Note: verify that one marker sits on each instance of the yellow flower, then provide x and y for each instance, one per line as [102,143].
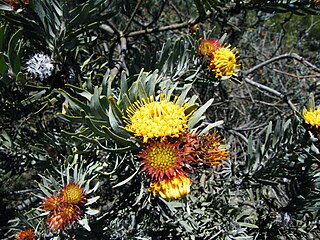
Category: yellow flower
[73,194]
[211,150]
[26,234]
[163,159]
[156,119]
[208,47]
[312,117]
[171,189]
[223,62]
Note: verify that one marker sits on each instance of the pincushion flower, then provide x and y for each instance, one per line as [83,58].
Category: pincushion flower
[73,194]
[156,119]
[312,117]
[64,217]
[208,47]
[223,63]
[26,234]
[173,188]
[51,203]
[40,66]
[211,150]
[163,159]
[65,207]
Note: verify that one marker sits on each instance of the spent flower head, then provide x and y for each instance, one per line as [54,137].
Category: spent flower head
[40,66]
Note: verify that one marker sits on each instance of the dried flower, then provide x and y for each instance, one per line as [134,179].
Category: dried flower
[211,150]
[40,66]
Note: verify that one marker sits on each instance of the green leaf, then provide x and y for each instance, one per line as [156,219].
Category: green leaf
[12,47]
[197,115]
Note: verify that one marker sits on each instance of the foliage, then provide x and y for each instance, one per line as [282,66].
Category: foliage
[71,72]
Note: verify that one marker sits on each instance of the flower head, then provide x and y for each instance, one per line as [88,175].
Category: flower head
[211,150]
[64,217]
[312,117]
[26,234]
[156,119]
[15,3]
[40,66]
[173,188]
[51,203]
[163,159]
[223,62]
[208,47]
[73,194]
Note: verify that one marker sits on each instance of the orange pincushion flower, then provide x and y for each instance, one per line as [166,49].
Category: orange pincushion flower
[51,203]
[73,194]
[64,217]
[211,150]
[26,234]
[208,47]
[163,159]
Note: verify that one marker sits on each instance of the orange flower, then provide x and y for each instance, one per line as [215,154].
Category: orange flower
[211,150]
[51,203]
[26,234]
[66,215]
[73,194]
[163,159]
[208,47]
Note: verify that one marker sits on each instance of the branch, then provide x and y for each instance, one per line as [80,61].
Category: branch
[273,91]
[283,56]
[121,62]
[132,16]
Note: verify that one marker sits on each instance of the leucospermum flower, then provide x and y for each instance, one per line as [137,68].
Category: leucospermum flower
[208,47]
[163,159]
[51,203]
[73,194]
[156,119]
[223,63]
[65,208]
[26,234]
[15,4]
[211,150]
[312,117]
[171,189]
[64,217]
[40,66]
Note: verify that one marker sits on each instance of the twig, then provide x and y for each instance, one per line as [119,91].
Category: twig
[132,16]
[283,56]
[297,76]
[273,91]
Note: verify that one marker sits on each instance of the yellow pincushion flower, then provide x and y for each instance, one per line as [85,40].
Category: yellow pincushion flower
[156,119]
[312,117]
[171,189]
[223,62]
[72,193]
